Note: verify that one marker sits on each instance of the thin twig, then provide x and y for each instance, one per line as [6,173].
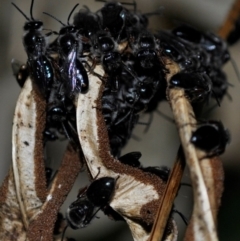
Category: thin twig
[166,204]
[230,20]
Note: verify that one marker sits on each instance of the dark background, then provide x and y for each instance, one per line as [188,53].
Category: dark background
[158,146]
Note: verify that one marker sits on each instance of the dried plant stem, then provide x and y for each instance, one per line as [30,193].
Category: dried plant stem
[203,221]
[168,198]
[206,174]
[230,20]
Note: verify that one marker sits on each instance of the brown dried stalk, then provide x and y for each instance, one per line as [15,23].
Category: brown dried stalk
[166,203]
[203,172]
[230,20]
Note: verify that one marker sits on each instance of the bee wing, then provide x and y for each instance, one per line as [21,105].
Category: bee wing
[73,73]
[72,70]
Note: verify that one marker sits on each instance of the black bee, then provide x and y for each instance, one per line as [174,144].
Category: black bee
[113,18]
[219,83]
[145,50]
[110,107]
[119,106]
[35,45]
[186,54]
[208,41]
[73,75]
[120,21]
[98,194]
[211,137]
[88,24]
[62,120]
[104,50]
[137,90]
[136,20]
[131,159]
[197,51]
[120,133]
[197,86]
[61,117]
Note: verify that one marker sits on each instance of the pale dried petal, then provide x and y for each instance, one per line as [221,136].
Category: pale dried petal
[27,151]
[137,194]
[11,225]
[42,226]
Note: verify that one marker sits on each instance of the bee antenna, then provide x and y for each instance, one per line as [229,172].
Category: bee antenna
[64,231]
[216,98]
[103,1]
[54,18]
[20,11]
[70,14]
[181,215]
[31,8]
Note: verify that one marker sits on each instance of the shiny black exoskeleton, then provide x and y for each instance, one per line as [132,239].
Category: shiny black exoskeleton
[38,63]
[74,77]
[61,116]
[98,194]
[80,213]
[197,51]
[211,137]
[131,159]
[88,24]
[175,49]
[104,50]
[208,41]
[61,120]
[113,18]
[197,86]
[110,107]
[145,50]
[101,191]
[138,88]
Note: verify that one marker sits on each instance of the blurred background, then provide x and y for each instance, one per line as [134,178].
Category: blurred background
[160,144]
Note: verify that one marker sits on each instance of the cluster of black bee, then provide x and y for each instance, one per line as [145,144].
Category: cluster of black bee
[133,59]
